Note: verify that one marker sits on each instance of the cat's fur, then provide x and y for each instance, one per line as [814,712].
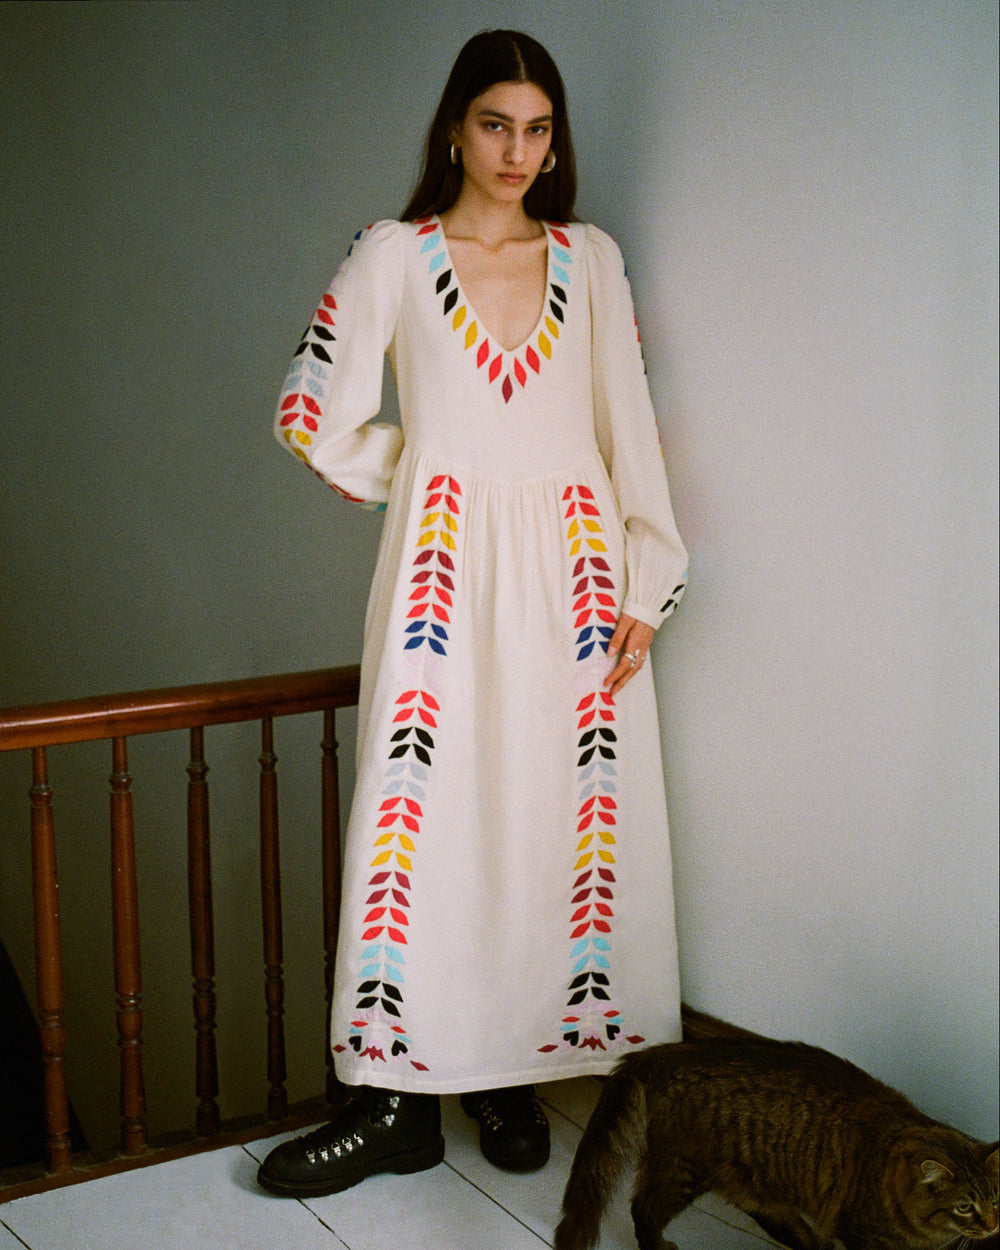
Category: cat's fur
[807,1144]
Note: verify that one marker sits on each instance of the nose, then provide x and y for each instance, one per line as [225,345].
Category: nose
[515,149]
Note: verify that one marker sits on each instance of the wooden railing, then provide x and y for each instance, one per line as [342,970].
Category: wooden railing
[117,718]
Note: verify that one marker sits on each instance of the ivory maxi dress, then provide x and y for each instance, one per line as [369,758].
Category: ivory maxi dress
[507,913]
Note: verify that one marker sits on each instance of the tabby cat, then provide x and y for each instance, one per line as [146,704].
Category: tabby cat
[807,1144]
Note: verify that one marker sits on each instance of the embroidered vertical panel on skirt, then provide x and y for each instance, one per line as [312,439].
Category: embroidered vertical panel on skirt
[378,1030]
[591,1020]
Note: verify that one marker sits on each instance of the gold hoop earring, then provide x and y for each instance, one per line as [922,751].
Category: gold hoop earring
[549,163]
[453,152]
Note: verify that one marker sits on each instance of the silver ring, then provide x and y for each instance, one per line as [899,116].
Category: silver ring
[633,659]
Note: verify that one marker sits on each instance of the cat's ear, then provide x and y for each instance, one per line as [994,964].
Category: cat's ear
[992,1163]
[934,1171]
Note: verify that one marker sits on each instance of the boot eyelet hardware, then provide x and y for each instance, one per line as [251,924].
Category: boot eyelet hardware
[377,1131]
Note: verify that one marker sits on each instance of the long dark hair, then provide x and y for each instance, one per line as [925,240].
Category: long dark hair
[490,57]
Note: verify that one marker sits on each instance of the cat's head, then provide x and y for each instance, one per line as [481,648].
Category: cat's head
[954,1195]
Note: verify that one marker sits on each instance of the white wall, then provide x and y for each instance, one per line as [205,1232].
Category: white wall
[805,195]
[817,237]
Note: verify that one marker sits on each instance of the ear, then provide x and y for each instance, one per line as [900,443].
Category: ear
[934,1171]
[992,1164]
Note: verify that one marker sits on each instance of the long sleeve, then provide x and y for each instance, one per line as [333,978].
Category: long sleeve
[629,440]
[334,385]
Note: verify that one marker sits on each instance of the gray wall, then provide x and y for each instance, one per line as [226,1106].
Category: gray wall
[805,194]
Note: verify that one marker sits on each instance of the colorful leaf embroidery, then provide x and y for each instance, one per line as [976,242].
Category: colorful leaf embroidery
[509,367]
[378,1031]
[591,1021]
[305,387]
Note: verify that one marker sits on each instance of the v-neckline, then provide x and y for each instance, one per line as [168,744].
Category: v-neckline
[463,294]
[513,369]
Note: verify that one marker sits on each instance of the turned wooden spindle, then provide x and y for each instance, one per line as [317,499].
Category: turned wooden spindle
[207,1118]
[128,962]
[270,886]
[49,969]
[330,816]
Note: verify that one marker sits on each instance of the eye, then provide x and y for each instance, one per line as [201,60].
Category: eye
[963,1208]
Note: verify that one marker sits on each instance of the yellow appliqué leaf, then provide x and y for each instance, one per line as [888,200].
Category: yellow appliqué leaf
[381,859]
[385,838]
[471,335]
[606,856]
[585,842]
[448,541]
[458,318]
[595,545]
[544,346]
[404,862]
[424,539]
[583,861]
[406,843]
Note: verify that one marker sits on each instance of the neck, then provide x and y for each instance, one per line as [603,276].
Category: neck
[491,222]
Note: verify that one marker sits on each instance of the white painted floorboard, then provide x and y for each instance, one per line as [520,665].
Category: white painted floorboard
[211,1202]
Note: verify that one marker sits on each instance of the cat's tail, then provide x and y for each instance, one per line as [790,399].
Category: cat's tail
[609,1145]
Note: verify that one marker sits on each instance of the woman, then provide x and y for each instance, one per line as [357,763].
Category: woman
[507,914]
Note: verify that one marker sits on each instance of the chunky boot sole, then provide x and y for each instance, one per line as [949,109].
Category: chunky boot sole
[402,1164]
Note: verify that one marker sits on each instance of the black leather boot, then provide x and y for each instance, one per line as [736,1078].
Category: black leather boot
[378,1131]
[513,1130]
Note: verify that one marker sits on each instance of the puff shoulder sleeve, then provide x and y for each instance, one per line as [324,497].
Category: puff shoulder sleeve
[333,389]
[629,441]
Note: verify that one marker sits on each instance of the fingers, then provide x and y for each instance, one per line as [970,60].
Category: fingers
[630,642]
[617,639]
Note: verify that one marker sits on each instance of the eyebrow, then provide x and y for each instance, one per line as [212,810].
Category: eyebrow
[505,117]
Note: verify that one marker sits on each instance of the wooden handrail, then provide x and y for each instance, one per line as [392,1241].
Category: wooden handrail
[118,717]
[180,707]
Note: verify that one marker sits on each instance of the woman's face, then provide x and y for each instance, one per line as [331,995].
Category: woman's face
[504,138]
